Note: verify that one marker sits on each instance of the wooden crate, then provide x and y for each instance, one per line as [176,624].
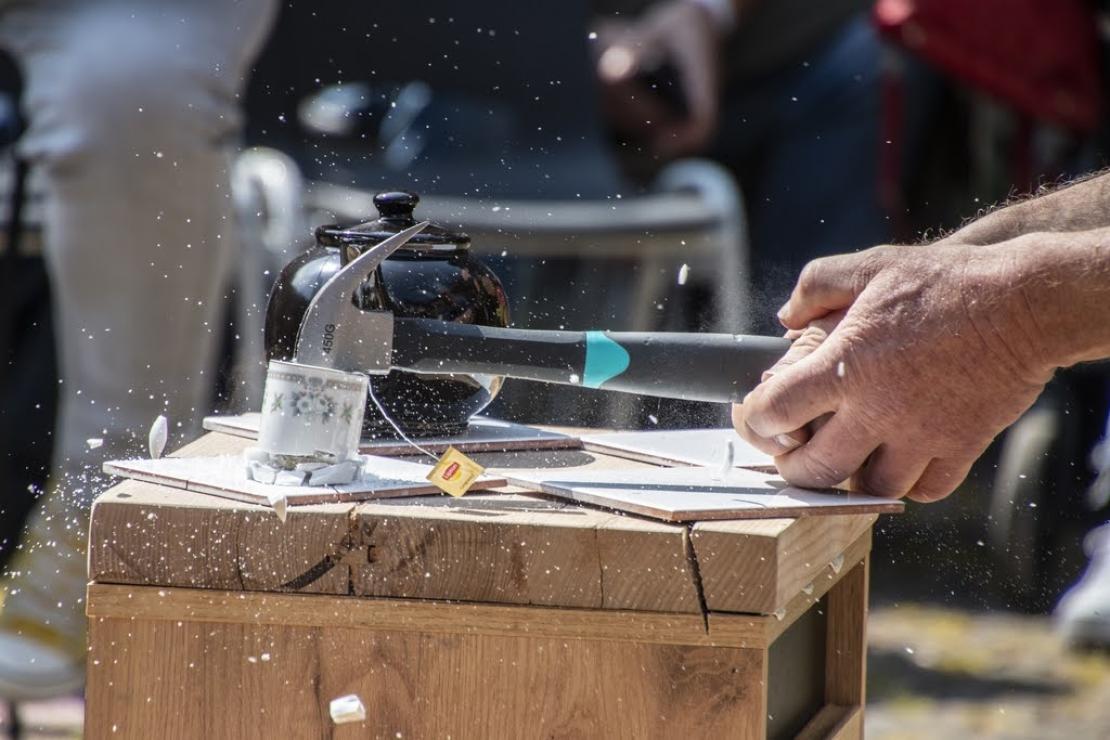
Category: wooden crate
[492,616]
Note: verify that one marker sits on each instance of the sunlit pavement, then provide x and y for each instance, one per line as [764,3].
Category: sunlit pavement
[49,720]
[946,673]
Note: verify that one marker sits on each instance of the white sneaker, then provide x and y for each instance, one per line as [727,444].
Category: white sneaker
[31,670]
[1083,614]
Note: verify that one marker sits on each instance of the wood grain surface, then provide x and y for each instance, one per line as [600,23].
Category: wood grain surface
[187,679]
[409,615]
[758,566]
[508,548]
[503,615]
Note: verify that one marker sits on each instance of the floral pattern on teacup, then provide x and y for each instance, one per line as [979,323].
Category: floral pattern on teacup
[312,400]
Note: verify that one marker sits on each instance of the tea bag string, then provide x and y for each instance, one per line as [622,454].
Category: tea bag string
[396,428]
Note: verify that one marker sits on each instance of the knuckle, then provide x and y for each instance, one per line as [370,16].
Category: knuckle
[880,484]
[749,435]
[773,410]
[871,263]
[938,482]
[927,493]
[810,278]
[814,469]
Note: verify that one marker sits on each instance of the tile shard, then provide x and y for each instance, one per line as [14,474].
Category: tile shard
[345,709]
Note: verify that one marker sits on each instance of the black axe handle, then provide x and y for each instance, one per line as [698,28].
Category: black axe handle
[719,368]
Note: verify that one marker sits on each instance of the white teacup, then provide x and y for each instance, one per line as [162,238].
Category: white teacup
[311,414]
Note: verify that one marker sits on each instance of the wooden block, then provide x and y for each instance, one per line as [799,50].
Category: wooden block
[414,615]
[523,552]
[758,566]
[750,630]
[845,656]
[834,722]
[187,679]
[147,534]
[647,565]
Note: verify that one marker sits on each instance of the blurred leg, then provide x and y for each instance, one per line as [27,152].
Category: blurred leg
[806,145]
[132,108]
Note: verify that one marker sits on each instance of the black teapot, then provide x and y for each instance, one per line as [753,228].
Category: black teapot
[434,276]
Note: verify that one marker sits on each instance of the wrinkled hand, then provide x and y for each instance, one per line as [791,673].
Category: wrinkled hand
[677,31]
[907,362]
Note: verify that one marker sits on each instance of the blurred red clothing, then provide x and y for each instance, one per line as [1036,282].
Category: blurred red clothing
[1040,56]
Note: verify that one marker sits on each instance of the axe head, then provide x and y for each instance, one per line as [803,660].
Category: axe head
[338,334]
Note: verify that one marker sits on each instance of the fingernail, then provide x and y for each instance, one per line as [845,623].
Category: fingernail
[767,375]
[782,312]
[787,441]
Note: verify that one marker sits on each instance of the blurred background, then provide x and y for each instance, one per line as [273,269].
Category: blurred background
[642,165]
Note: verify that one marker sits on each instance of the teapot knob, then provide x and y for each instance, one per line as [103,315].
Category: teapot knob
[396,205]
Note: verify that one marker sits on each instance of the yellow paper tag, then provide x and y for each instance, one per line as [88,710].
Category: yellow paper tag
[455,473]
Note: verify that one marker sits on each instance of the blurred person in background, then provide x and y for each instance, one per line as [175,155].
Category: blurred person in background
[132,113]
[850,124]
[786,93]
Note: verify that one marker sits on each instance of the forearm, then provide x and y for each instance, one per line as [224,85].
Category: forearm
[1080,206]
[1061,294]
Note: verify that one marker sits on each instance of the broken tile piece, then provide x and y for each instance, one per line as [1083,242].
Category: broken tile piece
[346,709]
[260,472]
[290,478]
[726,461]
[310,467]
[159,435]
[280,504]
[336,475]
[256,454]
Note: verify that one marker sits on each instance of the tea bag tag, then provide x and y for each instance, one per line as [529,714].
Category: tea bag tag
[455,473]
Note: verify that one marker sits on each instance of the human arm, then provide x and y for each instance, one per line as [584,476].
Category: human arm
[1079,206]
[939,348]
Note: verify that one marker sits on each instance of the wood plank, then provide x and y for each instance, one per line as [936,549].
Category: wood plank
[521,552]
[834,722]
[758,566]
[750,630]
[410,615]
[825,582]
[846,653]
[426,547]
[647,565]
[146,534]
[187,679]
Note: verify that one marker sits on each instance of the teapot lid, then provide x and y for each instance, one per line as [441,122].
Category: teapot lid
[394,214]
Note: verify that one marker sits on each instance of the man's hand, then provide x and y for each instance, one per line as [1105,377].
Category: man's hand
[675,31]
[908,362]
